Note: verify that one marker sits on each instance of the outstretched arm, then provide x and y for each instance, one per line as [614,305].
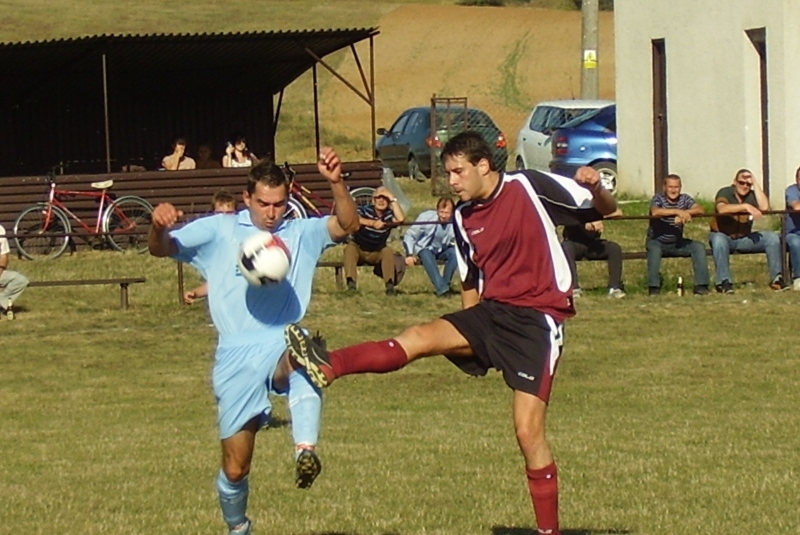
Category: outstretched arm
[345,220]
[159,241]
[602,200]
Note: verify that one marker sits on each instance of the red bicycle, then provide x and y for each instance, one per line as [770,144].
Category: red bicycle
[43,231]
[305,203]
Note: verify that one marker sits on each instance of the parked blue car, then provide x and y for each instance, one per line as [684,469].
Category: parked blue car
[591,140]
[410,146]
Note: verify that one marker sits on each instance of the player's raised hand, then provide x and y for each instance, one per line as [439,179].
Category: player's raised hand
[329,165]
[588,177]
[165,216]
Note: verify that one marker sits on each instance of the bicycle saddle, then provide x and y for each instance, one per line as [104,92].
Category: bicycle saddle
[105,184]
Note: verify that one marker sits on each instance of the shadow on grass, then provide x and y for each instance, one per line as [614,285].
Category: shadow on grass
[276,422]
[503,530]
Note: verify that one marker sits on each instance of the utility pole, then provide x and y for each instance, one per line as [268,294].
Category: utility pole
[589,80]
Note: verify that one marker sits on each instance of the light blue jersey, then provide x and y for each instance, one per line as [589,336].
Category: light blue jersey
[250,319]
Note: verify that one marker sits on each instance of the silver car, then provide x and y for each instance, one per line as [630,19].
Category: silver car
[533,149]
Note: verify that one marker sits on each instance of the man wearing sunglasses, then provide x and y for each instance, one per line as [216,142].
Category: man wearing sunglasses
[738,205]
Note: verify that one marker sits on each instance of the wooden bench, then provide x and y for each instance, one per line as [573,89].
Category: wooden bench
[123,285]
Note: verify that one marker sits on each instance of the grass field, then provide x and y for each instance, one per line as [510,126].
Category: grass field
[669,415]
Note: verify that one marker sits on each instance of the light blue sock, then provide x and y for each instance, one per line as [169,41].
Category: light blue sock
[305,406]
[233,499]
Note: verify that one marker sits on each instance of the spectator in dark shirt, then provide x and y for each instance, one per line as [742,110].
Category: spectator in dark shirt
[368,243]
[584,241]
[665,236]
[737,206]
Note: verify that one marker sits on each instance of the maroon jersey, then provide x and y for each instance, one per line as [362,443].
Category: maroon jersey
[508,247]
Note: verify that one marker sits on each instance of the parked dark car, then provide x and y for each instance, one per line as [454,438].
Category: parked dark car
[407,146]
[588,140]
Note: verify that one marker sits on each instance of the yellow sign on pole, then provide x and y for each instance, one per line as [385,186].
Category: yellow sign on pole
[590,59]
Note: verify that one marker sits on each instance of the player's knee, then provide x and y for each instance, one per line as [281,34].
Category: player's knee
[530,437]
[236,472]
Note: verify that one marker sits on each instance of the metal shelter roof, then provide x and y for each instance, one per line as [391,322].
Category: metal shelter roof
[168,63]
[110,96]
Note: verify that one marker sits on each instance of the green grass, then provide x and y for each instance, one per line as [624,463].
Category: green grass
[669,415]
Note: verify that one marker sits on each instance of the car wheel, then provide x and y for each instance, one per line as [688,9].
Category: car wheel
[519,164]
[608,175]
[414,171]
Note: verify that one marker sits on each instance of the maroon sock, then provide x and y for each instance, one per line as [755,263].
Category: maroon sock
[369,357]
[543,485]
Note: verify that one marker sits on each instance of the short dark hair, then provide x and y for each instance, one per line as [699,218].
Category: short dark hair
[471,145]
[223,196]
[672,176]
[267,173]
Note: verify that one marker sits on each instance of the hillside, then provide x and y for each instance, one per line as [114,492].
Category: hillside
[503,59]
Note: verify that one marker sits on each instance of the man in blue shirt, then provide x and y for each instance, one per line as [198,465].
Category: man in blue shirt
[665,236]
[431,239]
[793,228]
[250,362]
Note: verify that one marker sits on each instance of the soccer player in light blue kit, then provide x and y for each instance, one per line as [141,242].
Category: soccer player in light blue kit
[250,362]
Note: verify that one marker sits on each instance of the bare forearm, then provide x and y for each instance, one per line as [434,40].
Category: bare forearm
[603,201]
[761,200]
[727,208]
[344,208]
[160,243]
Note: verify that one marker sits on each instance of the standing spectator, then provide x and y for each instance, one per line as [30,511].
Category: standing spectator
[792,195]
[205,160]
[584,241]
[250,363]
[12,283]
[178,161]
[665,236]
[432,239]
[368,244]
[237,154]
[515,296]
[732,230]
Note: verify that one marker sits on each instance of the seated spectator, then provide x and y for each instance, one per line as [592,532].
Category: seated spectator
[12,283]
[237,154]
[223,202]
[732,230]
[205,159]
[792,222]
[430,240]
[583,241]
[178,161]
[665,236]
[368,243]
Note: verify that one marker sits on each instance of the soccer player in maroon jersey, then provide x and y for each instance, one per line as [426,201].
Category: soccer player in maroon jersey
[516,294]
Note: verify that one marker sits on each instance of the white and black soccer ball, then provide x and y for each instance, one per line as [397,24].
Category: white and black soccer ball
[264,259]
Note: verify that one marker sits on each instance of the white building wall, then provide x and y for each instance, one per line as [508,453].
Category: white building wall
[713,105]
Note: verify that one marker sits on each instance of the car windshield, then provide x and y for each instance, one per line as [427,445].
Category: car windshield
[583,116]
[457,117]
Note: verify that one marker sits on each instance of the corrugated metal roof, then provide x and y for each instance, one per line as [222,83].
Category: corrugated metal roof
[167,63]
[205,86]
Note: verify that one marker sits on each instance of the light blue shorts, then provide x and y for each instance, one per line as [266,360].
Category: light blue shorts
[242,379]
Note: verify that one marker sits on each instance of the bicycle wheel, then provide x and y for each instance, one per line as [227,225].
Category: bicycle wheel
[45,232]
[295,210]
[363,195]
[127,223]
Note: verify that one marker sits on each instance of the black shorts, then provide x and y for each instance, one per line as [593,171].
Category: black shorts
[522,343]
